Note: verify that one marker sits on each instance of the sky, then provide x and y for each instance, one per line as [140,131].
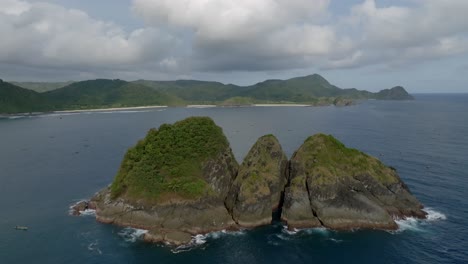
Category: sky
[365,44]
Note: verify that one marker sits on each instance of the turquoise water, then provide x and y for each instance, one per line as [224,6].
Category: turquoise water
[49,162]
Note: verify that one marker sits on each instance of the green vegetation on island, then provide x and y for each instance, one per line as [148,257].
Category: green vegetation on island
[169,161]
[343,188]
[182,180]
[329,159]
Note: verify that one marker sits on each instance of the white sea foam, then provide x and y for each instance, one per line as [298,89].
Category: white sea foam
[88,212]
[433,215]
[317,230]
[132,235]
[201,239]
[335,240]
[409,223]
[94,247]
[289,232]
[414,224]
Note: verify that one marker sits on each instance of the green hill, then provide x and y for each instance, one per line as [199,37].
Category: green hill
[103,93]
[107,93]
[396,93]
[14,99]
[194,91]
[312,89]
[170,161]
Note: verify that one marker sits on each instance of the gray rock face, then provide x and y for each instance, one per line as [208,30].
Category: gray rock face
[341,188]
[170,214]
[221,172]
[324,184]
[192,217]
[258,188]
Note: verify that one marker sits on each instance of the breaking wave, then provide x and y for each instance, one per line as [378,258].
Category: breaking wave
[315,230]
[201,239]
[414,224]
[132,235]
[433,215]
[86,212]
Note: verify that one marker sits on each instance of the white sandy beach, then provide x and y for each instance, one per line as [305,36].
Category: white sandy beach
[200,106]
[111,109]
[275,105]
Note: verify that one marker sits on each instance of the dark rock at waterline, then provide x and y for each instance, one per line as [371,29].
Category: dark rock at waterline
[325,184]
[174,181]
[81,206]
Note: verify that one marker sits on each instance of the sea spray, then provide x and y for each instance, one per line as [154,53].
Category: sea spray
[414,224]
[201,239]
[131,235]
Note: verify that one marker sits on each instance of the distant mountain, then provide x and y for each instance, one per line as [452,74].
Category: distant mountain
[396,93]
[42,86]
[103,93]
[312,89]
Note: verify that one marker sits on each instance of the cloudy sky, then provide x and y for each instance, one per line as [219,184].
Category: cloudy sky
[367,44]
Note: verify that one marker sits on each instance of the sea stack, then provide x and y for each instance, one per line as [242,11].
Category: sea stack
[173,183]
[258,188]
[182,179]
[342,188]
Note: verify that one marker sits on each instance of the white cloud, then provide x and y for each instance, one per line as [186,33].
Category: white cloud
[275,34]
[13,7]
[184,36]
[45,34]
[397,35]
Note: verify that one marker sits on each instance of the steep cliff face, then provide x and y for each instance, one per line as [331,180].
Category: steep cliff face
[183,179]
[174,180]
[258,188]
[342,188]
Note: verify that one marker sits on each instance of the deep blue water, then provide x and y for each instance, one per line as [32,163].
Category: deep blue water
[49,162]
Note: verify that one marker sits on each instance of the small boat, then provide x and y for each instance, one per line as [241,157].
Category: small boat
[21,228]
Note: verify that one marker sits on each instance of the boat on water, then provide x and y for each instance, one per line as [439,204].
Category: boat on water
[21,228]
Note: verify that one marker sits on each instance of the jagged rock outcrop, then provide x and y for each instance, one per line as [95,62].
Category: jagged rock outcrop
[172,182]
[258,188]
[341,188]
[183,179]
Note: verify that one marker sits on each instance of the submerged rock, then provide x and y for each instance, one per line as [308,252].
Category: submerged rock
[258,188]
[341,188]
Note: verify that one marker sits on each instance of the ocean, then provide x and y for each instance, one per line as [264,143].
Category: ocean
[51,161]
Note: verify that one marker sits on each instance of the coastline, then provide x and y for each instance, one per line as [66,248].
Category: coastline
[281,105]
[116,109]
[112,109]
[107,109]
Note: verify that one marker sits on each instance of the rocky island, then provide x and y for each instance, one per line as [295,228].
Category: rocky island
[182,180]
